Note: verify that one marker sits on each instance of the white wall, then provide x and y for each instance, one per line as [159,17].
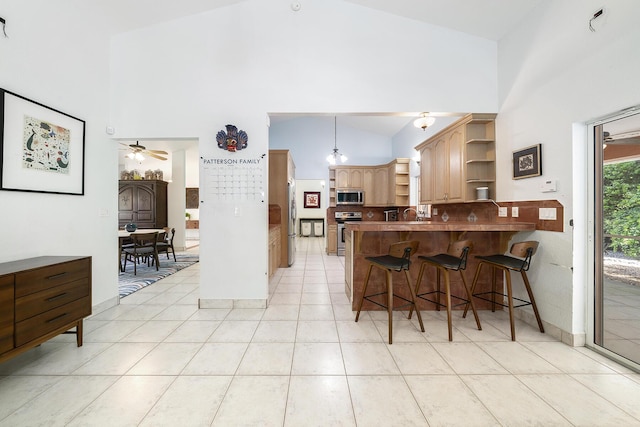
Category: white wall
[554,72]
[58,54]
[192,76]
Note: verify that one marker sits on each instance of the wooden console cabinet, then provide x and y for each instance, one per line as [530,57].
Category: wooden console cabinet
[41,298]
[142,202]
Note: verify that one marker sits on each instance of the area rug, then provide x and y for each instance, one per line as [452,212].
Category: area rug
[129,283]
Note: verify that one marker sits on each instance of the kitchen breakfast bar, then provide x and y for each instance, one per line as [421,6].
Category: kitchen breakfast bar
[373,238]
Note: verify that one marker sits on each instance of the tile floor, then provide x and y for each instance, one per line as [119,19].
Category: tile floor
[157,360]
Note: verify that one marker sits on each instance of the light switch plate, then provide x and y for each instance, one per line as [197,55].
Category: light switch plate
[515,212]
[547,214]
[502,211]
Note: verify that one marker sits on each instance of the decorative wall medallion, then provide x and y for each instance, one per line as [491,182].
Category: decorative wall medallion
[233,139]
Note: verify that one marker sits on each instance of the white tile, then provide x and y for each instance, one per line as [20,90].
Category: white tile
[116,360]
[319,401]
[210,314]
[113,331]
[16,391]
[234,331]
[153,331]
[194,331]
[511,402]
[252,401]
[189,401]
[468,358]
[317,331]
[177,312]
[275,331]
[516,358]
[317,359]
[566,358]
[267,359]
[216,359]
[403,331]
[360,331]
[127,401]
[418,359]
[316,312]
[245,314]
[368,359]
[166,359]
[315,298]
[577,403]
[54,407]
[446,401]
[281,312]
[62,361]
[373,405]
[617,389]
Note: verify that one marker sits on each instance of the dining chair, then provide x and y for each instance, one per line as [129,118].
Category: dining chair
[144,247]
[165,244]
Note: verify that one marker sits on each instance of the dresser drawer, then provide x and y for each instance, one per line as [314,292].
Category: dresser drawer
[48,299]
[6,313]
[28,282]
[37,326]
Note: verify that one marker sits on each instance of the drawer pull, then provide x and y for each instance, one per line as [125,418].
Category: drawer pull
[57,318]
[56,297]
[55,276]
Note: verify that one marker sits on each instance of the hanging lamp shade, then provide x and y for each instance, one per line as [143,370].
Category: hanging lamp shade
[424,121]
[335,155]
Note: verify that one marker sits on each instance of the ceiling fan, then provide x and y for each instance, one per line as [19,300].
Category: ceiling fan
[138,151]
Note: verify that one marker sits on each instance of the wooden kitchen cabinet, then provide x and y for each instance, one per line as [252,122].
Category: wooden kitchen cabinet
[350,177]
[399,182]
[332,239]
[282,172]
[458,159]
[142,202]
[40,298]
[275,249]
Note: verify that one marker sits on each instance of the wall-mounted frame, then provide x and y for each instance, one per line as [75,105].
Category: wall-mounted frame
[193,197]
[312,200]
[527,162]
[41,149]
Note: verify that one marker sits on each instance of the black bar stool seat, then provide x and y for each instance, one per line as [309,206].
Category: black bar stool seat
[398,259]
[519,260]
[454,260]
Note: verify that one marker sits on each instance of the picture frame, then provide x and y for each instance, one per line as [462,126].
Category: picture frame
[527,162]
[312,200]
[42,150]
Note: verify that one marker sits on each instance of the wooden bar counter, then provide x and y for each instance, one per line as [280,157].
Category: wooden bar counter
[372,238]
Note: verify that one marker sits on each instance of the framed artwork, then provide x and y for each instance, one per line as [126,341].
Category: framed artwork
[312,199]
[41,149]
[527,162]
[193,198]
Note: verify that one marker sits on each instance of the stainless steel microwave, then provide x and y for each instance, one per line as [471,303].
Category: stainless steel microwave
[349,197]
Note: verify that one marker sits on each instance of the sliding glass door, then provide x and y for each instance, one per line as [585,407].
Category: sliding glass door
[617,236]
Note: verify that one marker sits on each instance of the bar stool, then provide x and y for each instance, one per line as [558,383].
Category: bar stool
[398,259]
[520,261]
[455,259]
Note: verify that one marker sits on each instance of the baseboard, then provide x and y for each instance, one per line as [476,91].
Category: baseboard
[571,339]
[232,303]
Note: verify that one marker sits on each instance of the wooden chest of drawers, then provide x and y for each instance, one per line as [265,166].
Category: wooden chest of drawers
[41,298]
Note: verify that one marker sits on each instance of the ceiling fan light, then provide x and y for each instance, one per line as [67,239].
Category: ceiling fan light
[424,121]
[131,155]
[331,158]
[139,157]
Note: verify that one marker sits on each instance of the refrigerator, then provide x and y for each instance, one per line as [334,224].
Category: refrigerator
[291,222]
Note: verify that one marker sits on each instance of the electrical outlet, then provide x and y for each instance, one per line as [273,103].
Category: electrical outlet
[547,213]
[502,211]
[434,211]
[515,212]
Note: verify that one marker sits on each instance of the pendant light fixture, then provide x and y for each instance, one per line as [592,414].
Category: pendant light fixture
[333,157]
[424,121]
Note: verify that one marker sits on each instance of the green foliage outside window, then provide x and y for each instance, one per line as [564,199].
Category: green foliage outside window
[622,206]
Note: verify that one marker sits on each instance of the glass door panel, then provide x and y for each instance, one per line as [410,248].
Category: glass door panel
[617,270]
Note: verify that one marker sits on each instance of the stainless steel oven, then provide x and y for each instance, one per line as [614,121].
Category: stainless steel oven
[341,218]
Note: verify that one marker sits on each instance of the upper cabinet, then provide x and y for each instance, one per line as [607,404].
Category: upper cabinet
[383,185]
[457,160]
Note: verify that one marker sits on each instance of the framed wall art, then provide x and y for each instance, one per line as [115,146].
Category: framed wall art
[41,149]
[312,199]
[527,162]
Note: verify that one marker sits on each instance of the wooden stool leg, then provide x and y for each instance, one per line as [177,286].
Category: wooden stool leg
[470,297]
[510,301]
[415,293]
[533,301]
[493,289]
[364,290]
[414,299]
[447,287]
[473,288]
[390,303]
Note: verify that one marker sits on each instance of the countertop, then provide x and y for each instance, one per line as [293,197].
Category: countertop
[438,226]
